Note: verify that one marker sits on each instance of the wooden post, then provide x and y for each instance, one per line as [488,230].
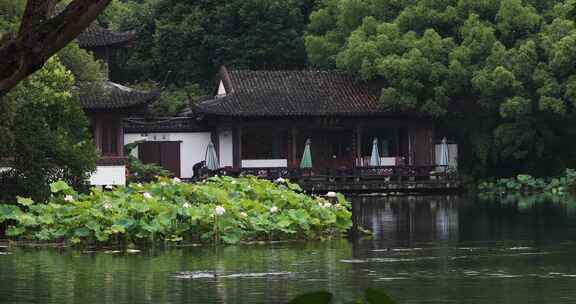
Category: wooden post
[120,137]
[97,128]
[237,147]
[215,138]
[359,146]
[294,147]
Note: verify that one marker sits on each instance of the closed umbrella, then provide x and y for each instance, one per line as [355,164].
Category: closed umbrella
[306,162]
[211,158]
[375,156]
[444,156]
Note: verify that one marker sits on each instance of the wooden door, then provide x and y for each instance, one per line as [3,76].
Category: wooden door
[162,153]
[170,157]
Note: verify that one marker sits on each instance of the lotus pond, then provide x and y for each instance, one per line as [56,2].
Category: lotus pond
[218,210]
[423,250]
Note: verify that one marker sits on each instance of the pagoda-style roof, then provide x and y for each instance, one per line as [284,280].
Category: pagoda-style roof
[115,96]
[162,124]
[97,36]
[292,93]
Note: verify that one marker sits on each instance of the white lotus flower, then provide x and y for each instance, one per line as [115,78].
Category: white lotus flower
[243,214]
[109,187]
[186,205]
[176,180]
[331,194]
[147,195]
[280,180]
[219,210]
[107,205]
[69,198]
[274,209]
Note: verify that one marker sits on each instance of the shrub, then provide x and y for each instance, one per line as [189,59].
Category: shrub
[221,209]
[559,185]
[140,172]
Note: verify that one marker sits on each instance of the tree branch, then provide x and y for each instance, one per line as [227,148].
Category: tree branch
[36,12]
[42,36]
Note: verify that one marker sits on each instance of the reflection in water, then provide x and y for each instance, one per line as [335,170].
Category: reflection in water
[434,249]
[401,221]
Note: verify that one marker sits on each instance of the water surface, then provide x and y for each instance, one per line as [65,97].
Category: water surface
[424,250]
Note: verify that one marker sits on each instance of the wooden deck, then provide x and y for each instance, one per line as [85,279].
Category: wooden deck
[384,179]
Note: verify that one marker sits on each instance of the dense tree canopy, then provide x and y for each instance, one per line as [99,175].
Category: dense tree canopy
[499,74]
[51,140]
[192,39]
[44,129]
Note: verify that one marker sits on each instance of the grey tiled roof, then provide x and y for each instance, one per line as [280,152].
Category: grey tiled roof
[293,93]
[97,36]
[115,96]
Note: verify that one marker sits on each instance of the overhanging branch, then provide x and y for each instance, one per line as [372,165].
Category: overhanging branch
[41,37]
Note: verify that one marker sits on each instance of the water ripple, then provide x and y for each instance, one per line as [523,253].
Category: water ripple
[212,275]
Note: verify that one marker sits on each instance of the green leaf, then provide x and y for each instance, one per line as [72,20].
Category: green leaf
[320,297]
[117,229]
[82,232]
[9,212]
[126,223]
[15,231]
[377,296]
[101,236]
[59,186]
[24,201]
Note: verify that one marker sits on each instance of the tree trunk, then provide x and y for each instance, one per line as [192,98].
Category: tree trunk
[42,36]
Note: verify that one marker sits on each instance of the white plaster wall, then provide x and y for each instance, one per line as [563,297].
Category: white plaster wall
[226,148]
[387,161]
[108,175]
[192,148]
[384,161]
[264,163]
[131,138]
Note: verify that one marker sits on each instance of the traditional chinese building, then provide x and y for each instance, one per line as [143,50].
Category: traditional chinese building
[263,119]
[107,109]
[259,122]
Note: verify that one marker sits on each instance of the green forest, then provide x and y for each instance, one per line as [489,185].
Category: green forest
[498,76]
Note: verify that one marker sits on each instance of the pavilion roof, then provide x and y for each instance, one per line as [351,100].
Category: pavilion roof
[115,96]
[293,93]
[98,36]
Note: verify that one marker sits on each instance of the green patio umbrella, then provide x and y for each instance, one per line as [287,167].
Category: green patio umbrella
[444,156]
[211,158]
[375,156]
[306,162]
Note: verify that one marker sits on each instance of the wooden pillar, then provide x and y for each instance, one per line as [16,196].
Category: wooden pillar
[358,132]
[237,147]
[398,143]
[120,135]
[294,147]
[215,138]
[97,129]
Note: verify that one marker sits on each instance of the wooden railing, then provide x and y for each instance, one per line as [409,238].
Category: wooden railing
[365,174]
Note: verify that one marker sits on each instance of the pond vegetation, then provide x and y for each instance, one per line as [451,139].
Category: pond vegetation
[218,210]
[527,184]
